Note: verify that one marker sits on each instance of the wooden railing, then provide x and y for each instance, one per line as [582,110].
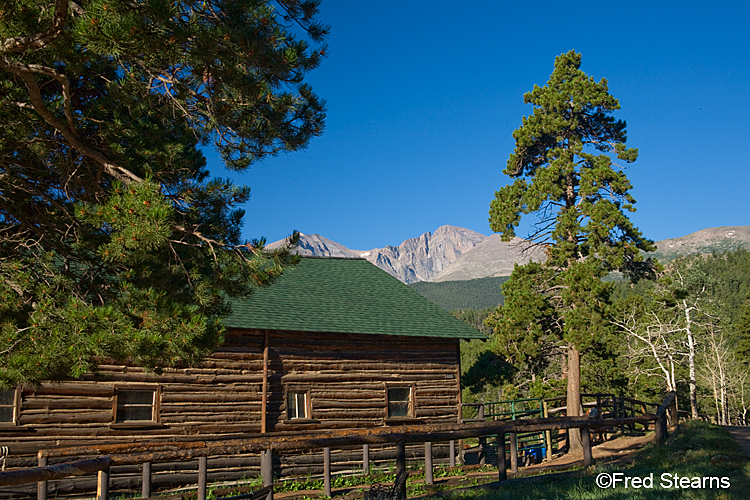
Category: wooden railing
[607,405]
[269,444]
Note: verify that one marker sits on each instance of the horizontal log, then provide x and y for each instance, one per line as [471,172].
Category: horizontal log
[168,378]
[65,403]
[193,419]
[71,389]
[227,407]
[356,377]
[332,439]
[425,392]
[101,417]
[169,397]
[334,405]
[53,472]
[216,389]
[365,366]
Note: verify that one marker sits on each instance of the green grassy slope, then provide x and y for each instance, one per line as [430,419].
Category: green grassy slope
[696,450]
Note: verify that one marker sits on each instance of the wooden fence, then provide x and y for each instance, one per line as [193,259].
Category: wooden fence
[107,456]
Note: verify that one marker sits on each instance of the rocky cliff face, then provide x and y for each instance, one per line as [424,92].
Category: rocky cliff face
[491,257]
[315,245]
[421,258]
[416,259]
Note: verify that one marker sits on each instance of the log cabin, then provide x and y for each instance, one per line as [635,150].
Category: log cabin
[332,344]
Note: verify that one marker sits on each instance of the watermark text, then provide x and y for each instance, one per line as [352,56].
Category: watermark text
[666,480]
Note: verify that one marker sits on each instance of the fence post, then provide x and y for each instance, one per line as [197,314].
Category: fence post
[102,485]
[502,474]
[41,486]
[547,433]
[146,481]
[202,477]
[365,459]
[452,453]
[482,439]
[327,471]
[266,470]
[659,431]
[401,467]
[513,452]
[660,428]
[586,442]
[428,479]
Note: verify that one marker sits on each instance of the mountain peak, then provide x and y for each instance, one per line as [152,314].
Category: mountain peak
[453,253]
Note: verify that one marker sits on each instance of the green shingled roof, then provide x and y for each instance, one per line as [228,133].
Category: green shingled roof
[347,296]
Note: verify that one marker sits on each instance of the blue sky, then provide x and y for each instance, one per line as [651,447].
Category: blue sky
[423,97]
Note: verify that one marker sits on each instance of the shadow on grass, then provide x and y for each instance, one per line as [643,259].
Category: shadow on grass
[694,450]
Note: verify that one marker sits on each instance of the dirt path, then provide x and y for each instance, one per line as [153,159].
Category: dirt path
[615,451]
[742,435]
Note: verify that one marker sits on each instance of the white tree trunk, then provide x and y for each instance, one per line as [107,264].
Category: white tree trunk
[691,362]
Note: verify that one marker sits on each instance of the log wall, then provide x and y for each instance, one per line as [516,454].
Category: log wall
[346,376]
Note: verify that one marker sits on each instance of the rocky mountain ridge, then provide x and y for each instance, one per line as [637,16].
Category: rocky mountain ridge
[452,253]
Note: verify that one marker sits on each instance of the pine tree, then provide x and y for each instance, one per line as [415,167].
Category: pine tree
[565,173]
[115,241]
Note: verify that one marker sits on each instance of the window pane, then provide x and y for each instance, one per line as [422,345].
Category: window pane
[8,397]
[291,405]
[302,404]
[134,413]
[399,394]
[135,405]
[398,409]
[296,405]
[398,401]
[6,414]
[135,397]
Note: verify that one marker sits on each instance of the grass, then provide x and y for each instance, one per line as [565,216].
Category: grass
[695,450]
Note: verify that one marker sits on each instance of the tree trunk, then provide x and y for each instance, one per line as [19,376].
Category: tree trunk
[573,400]
[691,362]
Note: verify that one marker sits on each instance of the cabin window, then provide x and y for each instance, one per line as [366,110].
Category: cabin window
[297,404]
[399,402]
[136,405]
[8,406]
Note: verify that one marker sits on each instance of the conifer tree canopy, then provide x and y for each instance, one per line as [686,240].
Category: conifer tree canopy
[565,173]
[115,240]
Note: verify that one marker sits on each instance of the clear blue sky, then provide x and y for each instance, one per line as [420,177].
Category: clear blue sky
[423,97]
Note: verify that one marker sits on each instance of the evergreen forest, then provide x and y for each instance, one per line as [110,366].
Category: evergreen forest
[468,294]
[686,330]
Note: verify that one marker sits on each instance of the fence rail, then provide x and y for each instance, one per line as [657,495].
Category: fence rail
[269,444]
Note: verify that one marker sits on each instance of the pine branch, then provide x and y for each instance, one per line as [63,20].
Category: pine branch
[39,40]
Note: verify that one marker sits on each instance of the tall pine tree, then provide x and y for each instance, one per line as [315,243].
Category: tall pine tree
[565,173]
[115,241]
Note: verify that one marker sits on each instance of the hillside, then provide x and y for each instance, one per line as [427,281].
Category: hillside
[491,257]
[705,241]
[468,294]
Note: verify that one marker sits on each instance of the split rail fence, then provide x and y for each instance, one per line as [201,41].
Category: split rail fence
[107,456]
